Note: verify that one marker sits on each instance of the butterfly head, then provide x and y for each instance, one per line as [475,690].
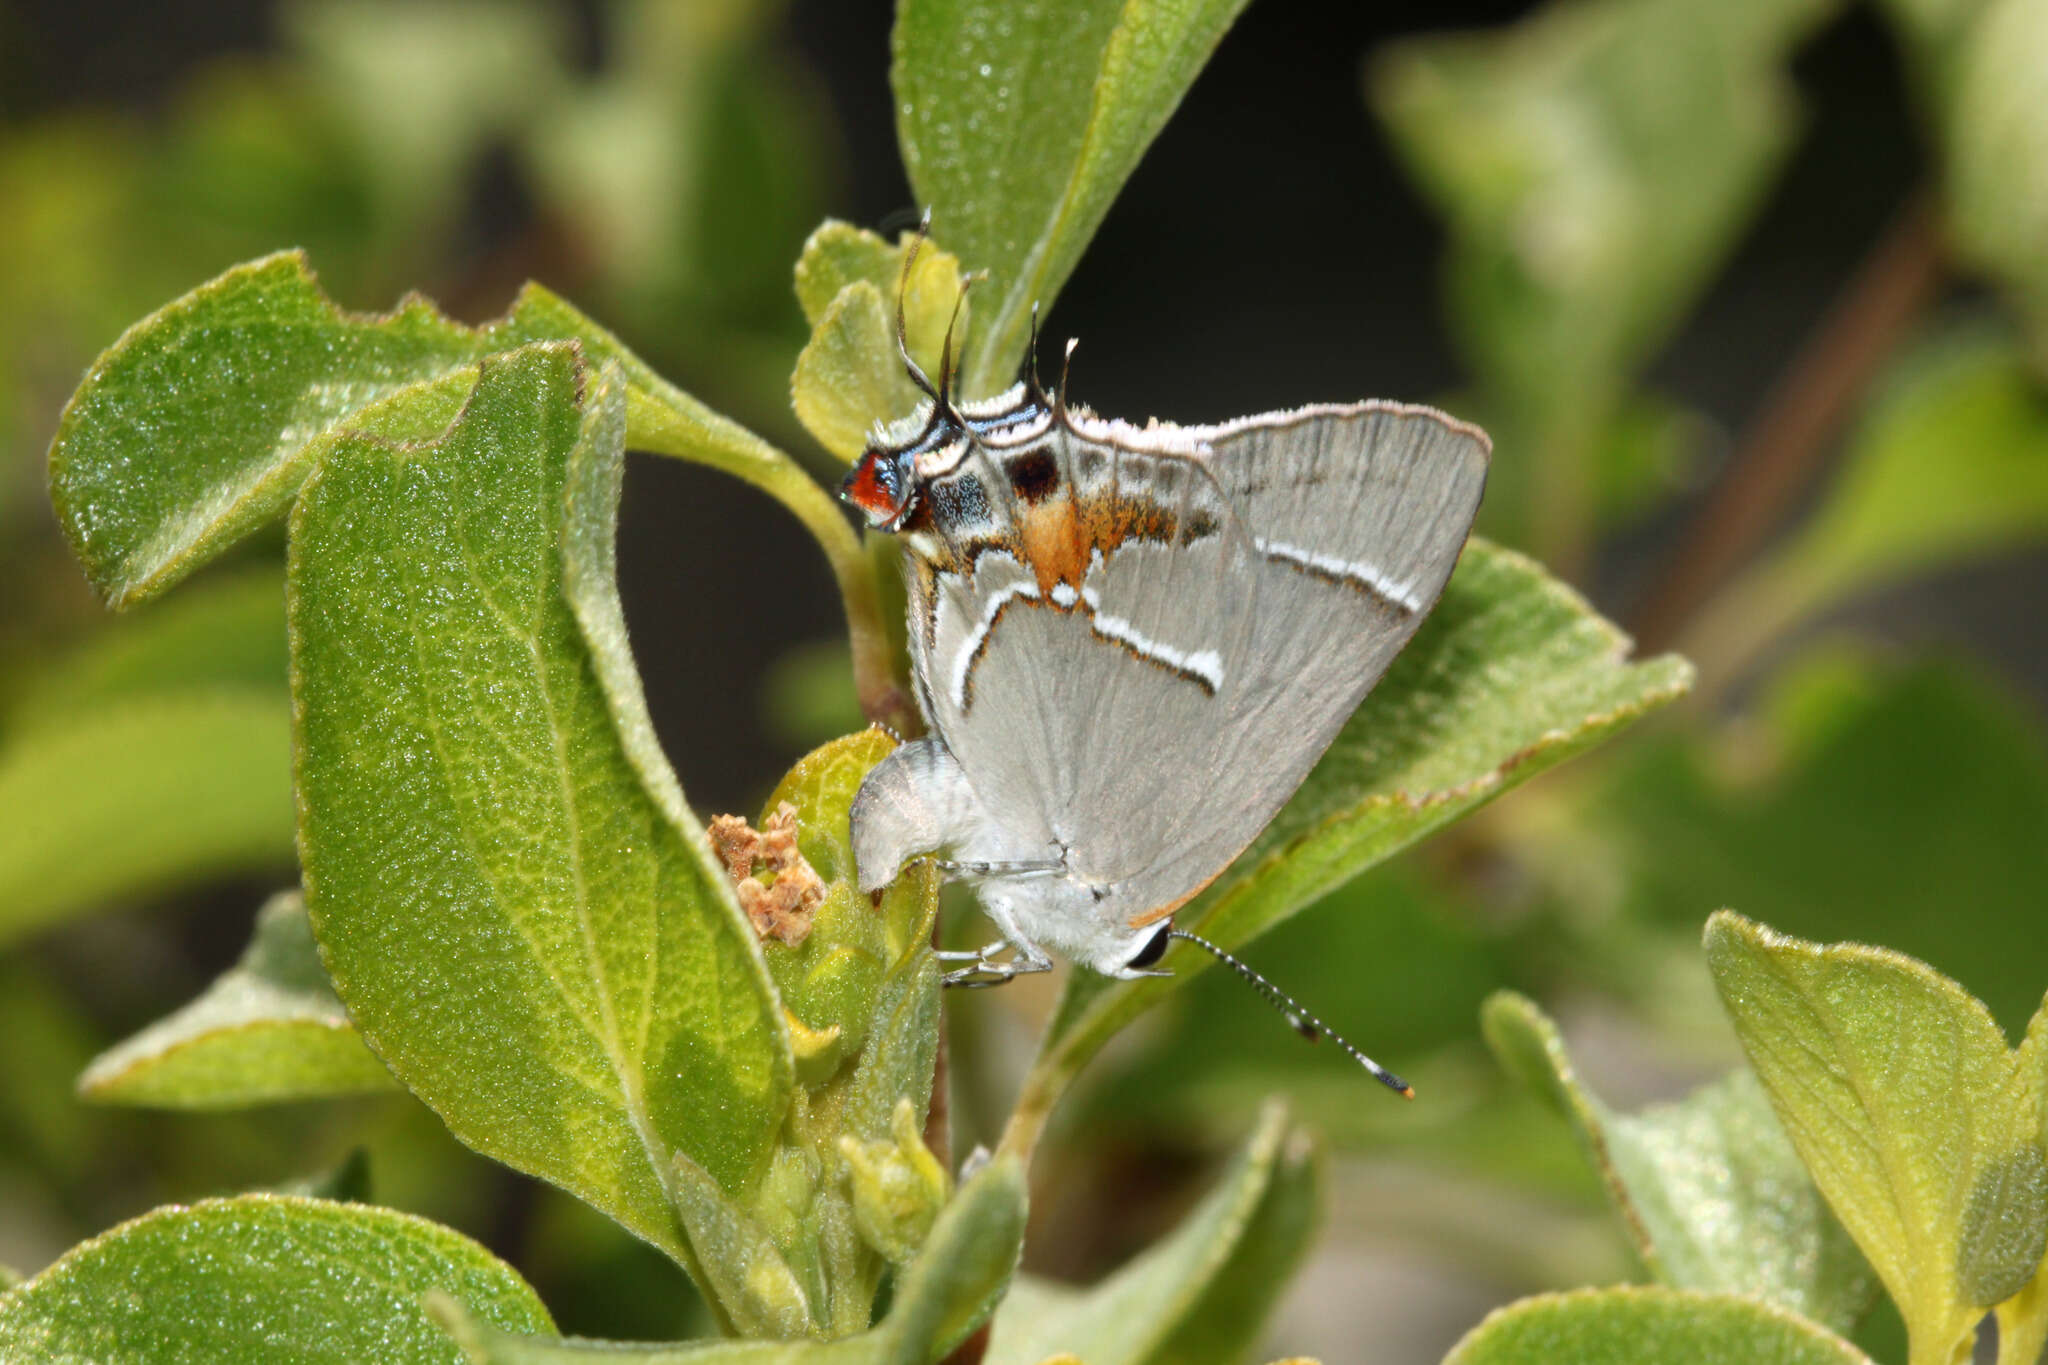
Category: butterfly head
[883,485]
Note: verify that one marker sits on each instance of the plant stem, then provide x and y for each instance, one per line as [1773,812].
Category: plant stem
[1789,439]
[683,428]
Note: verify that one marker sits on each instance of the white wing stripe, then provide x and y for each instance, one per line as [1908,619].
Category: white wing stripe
[1367,575]
[1205,664]
[970,649]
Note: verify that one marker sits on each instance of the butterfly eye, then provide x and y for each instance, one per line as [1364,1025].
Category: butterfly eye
[1154,949]
[875,485]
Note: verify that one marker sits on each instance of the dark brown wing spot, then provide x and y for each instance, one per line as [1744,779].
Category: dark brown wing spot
[1035,474]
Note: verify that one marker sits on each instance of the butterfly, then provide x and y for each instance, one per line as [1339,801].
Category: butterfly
[1131,643]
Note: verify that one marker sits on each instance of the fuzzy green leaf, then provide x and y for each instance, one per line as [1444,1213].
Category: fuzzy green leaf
[1628,1326]
[945,1294]
[141,794]
[846,378]
[1906,1104]
[261,1278]
[1019,124]
[1710,1189]
[1512,674]
[850,376]
[515,901]
[201,422]
[269,1029]
[1200,1295]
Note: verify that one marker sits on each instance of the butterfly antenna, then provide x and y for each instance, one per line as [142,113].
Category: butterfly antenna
[1304,1023]
[945,394]
[1033,388]
[917,376]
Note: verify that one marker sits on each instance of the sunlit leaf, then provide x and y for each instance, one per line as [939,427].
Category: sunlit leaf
[515,901]
[268,1029]
[1710,1190]
[1512,674]
[257,1279]
[1019,124]
[845,380]
[1628,1326]
[1905,1103]
[850,376]
[198,425]
[1201,1294]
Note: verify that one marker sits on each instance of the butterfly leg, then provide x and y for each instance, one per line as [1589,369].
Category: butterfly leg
[988,968]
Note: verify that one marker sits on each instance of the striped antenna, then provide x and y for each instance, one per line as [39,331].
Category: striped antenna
[1302,1022]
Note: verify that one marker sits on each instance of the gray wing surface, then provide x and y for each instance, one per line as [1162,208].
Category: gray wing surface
[1149,731]
[1077,695]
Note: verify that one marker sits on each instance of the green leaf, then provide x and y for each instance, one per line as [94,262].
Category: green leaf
[1019,126]
[1710,1189]
[1896,806]
[2023,1318]
[269,1029]
[201,422]
[515,901]
[1595,163]
[1512,674]
[830,982]
[850,376]
[140,795]
[1627,1326]
[944,1295]
[225,632]
[1950,465]
[261,1278]
[1997,145]
[1904,1102]
[843,383]
[1201,1294]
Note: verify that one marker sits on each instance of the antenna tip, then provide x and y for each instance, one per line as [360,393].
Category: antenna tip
[1406,1092]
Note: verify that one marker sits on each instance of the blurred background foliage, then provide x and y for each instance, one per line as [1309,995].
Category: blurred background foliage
[1752,294]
